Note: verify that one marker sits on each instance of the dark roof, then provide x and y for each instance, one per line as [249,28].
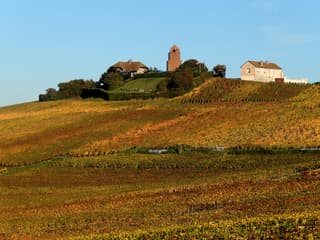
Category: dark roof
[129,66]
[261,64]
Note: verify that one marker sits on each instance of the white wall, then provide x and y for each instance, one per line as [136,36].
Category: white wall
[296,80]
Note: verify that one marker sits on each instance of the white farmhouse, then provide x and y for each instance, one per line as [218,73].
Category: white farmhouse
[261,71]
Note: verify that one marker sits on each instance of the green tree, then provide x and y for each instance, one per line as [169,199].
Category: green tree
[111,80]
[194,66]
[74,88]
[182,80]
[219,71]
[162,86]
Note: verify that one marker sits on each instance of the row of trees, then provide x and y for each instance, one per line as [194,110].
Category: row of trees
[189,75]
[69,89]
[185,77]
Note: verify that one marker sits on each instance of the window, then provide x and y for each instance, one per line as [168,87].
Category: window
[248,71]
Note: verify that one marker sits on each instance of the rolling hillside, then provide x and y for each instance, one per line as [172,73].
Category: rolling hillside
[63,174]
[32,132]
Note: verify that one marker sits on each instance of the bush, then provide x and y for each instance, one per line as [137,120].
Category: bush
[153,75]
[95,93]
[115,96]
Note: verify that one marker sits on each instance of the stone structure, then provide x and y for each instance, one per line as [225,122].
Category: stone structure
[174,59]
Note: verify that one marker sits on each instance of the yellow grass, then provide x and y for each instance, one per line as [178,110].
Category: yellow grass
[35,131]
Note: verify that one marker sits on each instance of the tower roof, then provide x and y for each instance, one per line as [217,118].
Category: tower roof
[174,47]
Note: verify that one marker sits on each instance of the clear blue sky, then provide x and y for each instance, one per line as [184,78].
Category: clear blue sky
[44,42]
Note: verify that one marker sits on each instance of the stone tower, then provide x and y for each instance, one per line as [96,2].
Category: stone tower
[174,59]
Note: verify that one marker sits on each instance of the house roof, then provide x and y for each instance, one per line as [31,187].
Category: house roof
[261,64]
[129,66]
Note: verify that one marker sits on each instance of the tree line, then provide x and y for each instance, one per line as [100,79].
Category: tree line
[189,75]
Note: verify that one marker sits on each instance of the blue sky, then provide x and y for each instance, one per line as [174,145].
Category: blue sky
[43,43]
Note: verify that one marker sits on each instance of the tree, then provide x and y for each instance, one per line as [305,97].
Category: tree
[74,88]
[162,86]
[182,80]
[111,80]
[219,71]
[194,66]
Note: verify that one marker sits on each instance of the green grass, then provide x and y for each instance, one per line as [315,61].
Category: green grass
[146,84]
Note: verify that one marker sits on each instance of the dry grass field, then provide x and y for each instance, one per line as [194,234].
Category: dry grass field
[47,192]
[33,132]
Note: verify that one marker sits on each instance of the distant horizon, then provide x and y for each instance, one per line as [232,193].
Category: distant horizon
[45,43]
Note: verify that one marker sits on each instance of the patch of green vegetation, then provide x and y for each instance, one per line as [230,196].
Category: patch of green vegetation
[136,85]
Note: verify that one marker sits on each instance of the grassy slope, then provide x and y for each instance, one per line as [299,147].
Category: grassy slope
[217,89]
[146,84]
[35,131]
[169,196]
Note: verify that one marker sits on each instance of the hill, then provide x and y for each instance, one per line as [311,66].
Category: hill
[80,169]
[235,90]
[35,131]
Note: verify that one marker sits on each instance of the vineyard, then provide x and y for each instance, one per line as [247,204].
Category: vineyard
[280,227]
[235,90]
[236,163]
[143,196]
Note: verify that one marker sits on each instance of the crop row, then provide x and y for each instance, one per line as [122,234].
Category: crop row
[191,161]
[279,227]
